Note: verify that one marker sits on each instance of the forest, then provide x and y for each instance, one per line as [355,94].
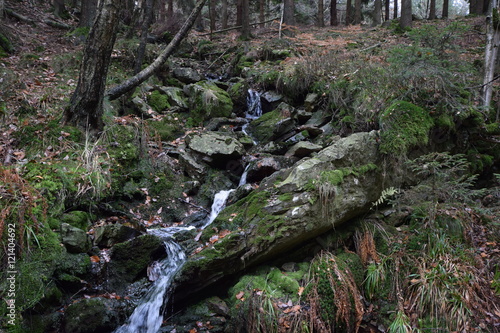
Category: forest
[249,166]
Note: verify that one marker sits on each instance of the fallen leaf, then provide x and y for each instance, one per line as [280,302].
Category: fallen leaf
[95,259]
[301,290]
[240,295]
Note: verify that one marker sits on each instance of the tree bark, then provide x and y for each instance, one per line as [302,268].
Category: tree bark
[239,12]
[245,20]
[357,11]
[212,5]
[490,54]
[288,16]
[377,13]
[88,13]
[348,12]
[321,16]
[262,14]
[142,76]
[146,23]
[387,10]
[406,13]
[446,6]
[395,9]
[59,8]
[224,14]
[333,13]
[85,109]
[2,5]
[170,9]
[432,10]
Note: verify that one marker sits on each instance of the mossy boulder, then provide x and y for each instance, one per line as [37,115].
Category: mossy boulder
[158,101]
[92,315]
[404,126]
[77,219]
[74,239]
[72,270]
[218,148]
[275,125]
[175,97]
[110,234]
[207,100]
[129,260]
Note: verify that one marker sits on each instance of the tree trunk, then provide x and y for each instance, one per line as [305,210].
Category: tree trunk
[387,10]
[170,9]
[321,16]
[406,13]
[134,81]
[59,8]
[395,9]
[146,23]
[85,108]
[446,6]
[2,5]
[333,13]
[348,12]
[357,11]
[224,14]
[213,15]
[88,13]
[288,16]
[490,54]
[262,14]
[245,20]
[432,10]
[239,12]
[377,13]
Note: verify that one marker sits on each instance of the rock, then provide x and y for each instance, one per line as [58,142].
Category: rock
[218,306]
[71,271]
[191,166]
[311,101]
[277,125]
[303,149]
[207,100]
[215,123]
[109,235]
[219,148]
[92,315]
[142,107]
[266,166]
[74,239]
[78,219]
[186,75]
[175,97]
[270,100]
[238,92]
[300,204]
[129,260]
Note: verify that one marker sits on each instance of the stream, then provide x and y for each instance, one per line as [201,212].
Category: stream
[147,316]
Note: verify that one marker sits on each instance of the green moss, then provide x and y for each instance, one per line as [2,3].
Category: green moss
[123,144]
[79,32]
[492,129]
[208,101]
[404,126]
[165,128]
[286,197]
[158,101]
[351,261]
[77,219]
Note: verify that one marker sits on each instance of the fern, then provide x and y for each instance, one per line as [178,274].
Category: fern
[385,195]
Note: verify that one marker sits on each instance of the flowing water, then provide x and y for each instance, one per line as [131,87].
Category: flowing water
[147,317]
[254,110]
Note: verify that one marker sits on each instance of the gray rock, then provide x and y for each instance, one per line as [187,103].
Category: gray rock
[108,235]
[186,75]
[270,100]
[175,96]
[74,239]
[302,149]
[218,146]
[92,315]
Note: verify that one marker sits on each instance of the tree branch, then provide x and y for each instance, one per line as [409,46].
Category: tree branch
[143,75]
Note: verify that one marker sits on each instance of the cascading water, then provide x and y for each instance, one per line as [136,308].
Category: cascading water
[147,318]
[219,203]
[243,179]
[254,109]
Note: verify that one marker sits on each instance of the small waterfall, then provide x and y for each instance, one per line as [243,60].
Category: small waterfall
[254,106]
[147,318]
[218,204]
[243,179]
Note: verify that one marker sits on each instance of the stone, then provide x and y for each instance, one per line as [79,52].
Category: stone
[186,75]
[207,100]
[220,147]
[266,166]
[74,239]
[91,315]
[302,149]
[175,97]
[110,234]
[311,101]
[270,100]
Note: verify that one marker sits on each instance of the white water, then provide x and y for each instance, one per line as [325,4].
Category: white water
[243,179]
[147,318]
[218,204]
[254,106]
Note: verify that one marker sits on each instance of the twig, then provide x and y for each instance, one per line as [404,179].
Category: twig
[57,25]
[192,204]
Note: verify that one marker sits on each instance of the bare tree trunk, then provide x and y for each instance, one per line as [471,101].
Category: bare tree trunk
[348,12]
[333,13]
[146,23]
[406,14]
[395,9]
[288,16]
[321,16]
[432,10]
[446,6]
[357,11]
[85,108]
[377,13]
[88,13]
[59,8]
[224,14]
[2,5]
[262,14]
[213,15]
[142,76]
[170,9]
[239,12]
[387,10]
[490,54]
[245,20]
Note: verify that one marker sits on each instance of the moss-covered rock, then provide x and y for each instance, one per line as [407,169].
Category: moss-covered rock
[92,315]
[207,100]
[404,126]
[76,240]
[77,219]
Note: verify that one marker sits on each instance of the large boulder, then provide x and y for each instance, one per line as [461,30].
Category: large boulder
[277,125]
[217,148]
[74,239]
[206,101]
[91,315]
[289,208]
